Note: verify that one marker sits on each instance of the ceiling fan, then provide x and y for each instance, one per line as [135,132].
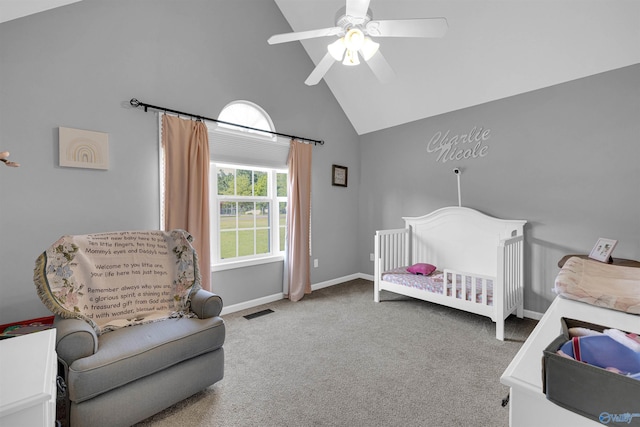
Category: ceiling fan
[355,27]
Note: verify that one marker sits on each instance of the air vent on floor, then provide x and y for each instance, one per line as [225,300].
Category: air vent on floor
[258,314]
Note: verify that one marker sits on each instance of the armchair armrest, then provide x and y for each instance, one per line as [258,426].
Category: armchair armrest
[75,339]
[206,304]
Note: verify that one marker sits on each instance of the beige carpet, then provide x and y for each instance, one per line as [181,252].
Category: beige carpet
[336,358]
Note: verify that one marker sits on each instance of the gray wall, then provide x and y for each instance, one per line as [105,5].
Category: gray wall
[78,66]
[564,158]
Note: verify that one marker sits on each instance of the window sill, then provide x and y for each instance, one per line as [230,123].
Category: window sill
[246,263]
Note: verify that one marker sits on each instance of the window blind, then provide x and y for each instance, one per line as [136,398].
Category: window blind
[227,146]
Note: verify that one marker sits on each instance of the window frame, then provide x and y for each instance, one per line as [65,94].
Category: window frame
[252,137]
[275,254]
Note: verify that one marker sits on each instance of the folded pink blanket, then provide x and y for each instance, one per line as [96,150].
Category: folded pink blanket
[599,284]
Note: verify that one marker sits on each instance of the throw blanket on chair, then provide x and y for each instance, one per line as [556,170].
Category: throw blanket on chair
[118,279]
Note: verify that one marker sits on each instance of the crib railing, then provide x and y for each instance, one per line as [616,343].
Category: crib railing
[396,244]
[395,254]
[511,275]
[467,286]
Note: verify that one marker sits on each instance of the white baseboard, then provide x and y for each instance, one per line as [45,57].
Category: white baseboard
[533,315]
[250,304]
[277,297]
[340,280]
[365,276]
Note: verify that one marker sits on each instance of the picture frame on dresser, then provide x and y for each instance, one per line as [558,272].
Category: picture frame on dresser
[603,249]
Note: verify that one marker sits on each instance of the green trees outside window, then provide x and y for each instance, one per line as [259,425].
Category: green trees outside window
[245,198]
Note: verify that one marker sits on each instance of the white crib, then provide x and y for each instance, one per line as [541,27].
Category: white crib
[468,247]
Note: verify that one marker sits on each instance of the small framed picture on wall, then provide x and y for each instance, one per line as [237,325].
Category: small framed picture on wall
[602,250]
[339,175]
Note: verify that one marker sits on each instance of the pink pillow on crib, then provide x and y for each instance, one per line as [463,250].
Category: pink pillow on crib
[421,268]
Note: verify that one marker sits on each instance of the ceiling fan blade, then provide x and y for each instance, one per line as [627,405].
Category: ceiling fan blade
[426,27]
[321,69]
[381,68]
[303,35]
[357,8]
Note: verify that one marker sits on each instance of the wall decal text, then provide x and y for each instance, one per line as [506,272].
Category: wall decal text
[470,145]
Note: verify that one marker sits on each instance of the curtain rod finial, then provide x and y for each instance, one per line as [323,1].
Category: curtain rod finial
[134,102]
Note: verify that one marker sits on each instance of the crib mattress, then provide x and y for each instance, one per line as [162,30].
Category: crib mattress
[434,283]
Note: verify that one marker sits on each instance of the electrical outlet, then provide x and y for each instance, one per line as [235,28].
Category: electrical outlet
[371,257]
[315,263]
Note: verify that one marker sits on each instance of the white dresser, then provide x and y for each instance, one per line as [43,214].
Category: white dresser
[528,406]
[28,370]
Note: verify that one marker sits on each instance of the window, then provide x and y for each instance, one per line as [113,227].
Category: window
[250,207]
[248,181]
[246,114]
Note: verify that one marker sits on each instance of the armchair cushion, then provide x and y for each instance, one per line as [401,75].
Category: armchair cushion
[128,354]
[118,279]
[76,339]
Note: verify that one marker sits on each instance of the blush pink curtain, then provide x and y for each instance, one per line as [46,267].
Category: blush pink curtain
[186,199]
[298,221]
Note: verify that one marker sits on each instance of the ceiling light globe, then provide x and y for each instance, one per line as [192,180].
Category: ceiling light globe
[351,58]
[353,39]
[369,48]
[336,49]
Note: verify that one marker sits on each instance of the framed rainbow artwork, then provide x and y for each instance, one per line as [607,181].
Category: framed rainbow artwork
[83,148]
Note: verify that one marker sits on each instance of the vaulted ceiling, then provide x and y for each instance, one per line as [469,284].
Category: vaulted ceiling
[493,49]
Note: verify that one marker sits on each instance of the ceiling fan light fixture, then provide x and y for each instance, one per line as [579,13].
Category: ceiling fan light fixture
[351,58]
[369,48]
[354,27]
[353,39]
[336,49]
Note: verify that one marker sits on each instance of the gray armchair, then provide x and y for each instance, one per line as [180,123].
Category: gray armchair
[127,375]
[135,332]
